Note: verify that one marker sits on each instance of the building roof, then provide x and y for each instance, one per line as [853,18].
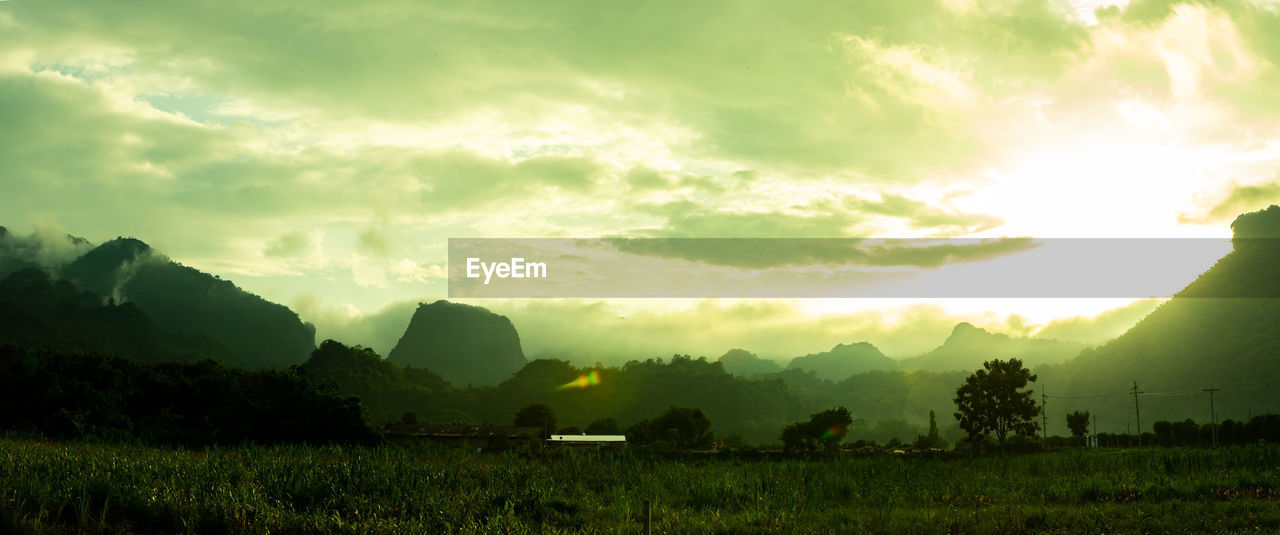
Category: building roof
[588,438]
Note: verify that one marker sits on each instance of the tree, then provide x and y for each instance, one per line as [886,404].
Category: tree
[933,439]
[824,429]
[537,415]
[1078,423]
[991,401]
[604,426]
[685,427]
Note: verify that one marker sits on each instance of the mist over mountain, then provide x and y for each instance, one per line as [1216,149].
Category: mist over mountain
[969,346]
[170,304]
[744,363]
[37,311]
[258,332]
[122,297]
[844,360]
[467,345]
[46,248]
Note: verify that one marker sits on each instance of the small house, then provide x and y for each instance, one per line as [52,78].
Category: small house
[596,441]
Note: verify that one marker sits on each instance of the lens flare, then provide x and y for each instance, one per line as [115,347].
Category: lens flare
[833,431]
[592,378]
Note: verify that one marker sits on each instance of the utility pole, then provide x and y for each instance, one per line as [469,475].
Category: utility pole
[1213,416]
[1044,413]
[1096,442]
[1137,411]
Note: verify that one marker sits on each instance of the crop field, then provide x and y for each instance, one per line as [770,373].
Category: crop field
[48,487]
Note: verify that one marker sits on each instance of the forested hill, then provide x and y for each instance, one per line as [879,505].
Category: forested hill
[1220,331]
[258,332]
[194,313]
[969,346]
[844,360]
[467,345]
[37,311]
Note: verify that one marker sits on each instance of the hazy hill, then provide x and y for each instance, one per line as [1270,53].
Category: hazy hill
[844,360]
[47,252]
[386,390]
[258,332]
[1221,330]
[744,363]
[39,312]
[467,345]
[968,347]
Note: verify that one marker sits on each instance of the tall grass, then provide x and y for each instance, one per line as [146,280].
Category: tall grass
[90,488]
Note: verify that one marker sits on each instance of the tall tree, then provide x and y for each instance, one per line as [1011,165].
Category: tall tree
[1078,423]
[991,401]
[933,439]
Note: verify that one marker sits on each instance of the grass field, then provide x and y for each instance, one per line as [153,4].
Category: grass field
[88,488]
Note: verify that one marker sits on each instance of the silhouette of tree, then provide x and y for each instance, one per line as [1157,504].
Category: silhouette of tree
[537,415]
[825,429]
[1078,423]
[991,401]
[684,427]
[933,439]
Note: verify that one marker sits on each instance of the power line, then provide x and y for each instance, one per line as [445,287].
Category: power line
[1090,397]
[1164,393]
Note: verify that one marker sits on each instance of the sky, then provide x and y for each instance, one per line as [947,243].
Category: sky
[321,155]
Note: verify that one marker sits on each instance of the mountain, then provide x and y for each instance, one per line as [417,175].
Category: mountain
[467,345]
[38,251]
[386,391]
[968,347]
[744,363]
[1219,331]
[259,333]
[844,360]
[37,311]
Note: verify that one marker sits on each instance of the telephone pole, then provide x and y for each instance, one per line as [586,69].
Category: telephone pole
[1044,413]
[1213,417]
[1137,411]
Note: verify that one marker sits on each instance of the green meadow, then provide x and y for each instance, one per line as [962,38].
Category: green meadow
[51,487]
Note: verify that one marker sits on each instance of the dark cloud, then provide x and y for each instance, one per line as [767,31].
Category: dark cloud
[923,216]
[758,253]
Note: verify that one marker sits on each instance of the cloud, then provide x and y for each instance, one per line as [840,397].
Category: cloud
[922,215]
[690,219]
[48,246]
[213,128]
[1239,200]
[758,253]
[380,330]
[407,270]
[1095,330]
[374,242]
[290,244]
[801,85]
[641,178]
